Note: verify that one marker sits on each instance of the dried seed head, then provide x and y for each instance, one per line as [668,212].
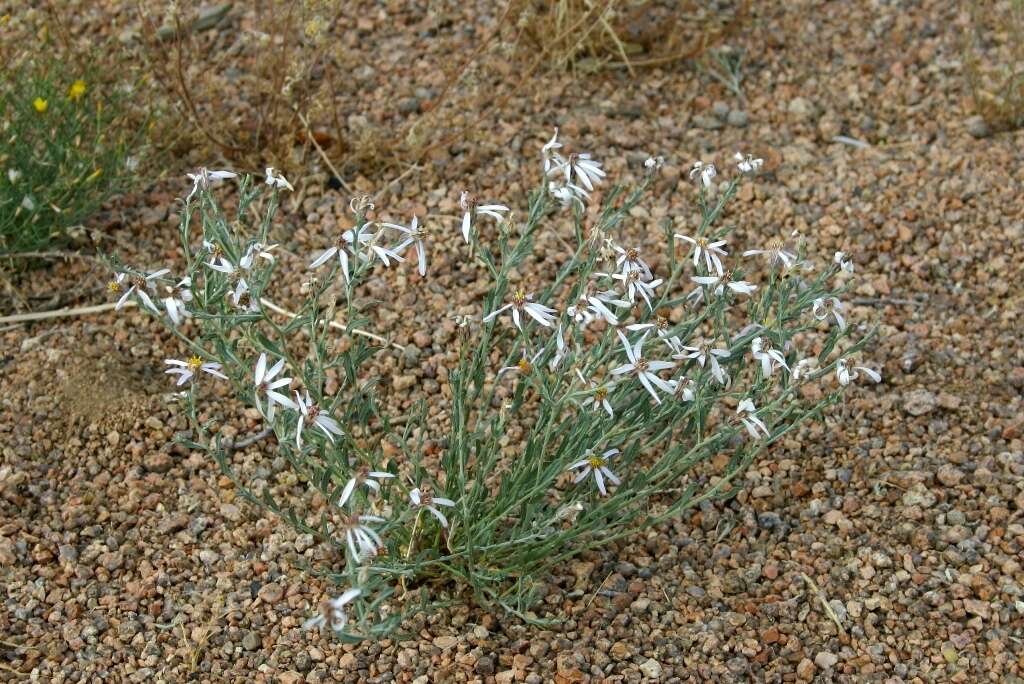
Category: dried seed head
[360,205]
[661,321]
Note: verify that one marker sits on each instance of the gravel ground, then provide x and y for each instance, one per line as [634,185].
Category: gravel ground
[884,545]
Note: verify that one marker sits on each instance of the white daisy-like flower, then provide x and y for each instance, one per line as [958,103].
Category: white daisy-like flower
[560,350]
[770,358]
[311,415]
[179,295]
[747,413]
[346,241]
[332,612]
[264,383]
[524,366]
[222,265]
[136,283]
[550,156]
[362,539]
[825,307]
[240,297]
[846,375]
[471,208]
[598,465]
[256,249]
[597,398]
[522,303]
[586,171]
[203,178]
[682,388]
[634,285]
[568,193]
[662,327]
[384,254]
[776,253]
[843,261]
[711,251]
[363,476]
[803,368]
[747,164]
[276,180]
[706,355]
[186,370]
[644,369]
[718,283]
[630,260]
[425,499]
[654,163]
[414,235]
[239,292]
[706,172]
[590,307]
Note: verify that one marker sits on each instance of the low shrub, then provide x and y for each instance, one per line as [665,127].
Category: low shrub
[580,409]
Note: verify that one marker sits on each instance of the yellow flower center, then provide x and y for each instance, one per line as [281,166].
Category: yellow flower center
[524,365]
[195,363]
[114,287]
[595,461]
[600,394]
[519,298]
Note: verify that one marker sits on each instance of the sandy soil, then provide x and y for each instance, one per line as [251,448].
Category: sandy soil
[884,545]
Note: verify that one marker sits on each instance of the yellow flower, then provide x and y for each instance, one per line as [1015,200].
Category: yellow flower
[77,90]
[40,104]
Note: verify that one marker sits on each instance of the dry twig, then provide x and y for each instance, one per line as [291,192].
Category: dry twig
[99,308]
[824,602]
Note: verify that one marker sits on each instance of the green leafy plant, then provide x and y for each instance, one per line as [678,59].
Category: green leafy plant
[601,401]
[64,150]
